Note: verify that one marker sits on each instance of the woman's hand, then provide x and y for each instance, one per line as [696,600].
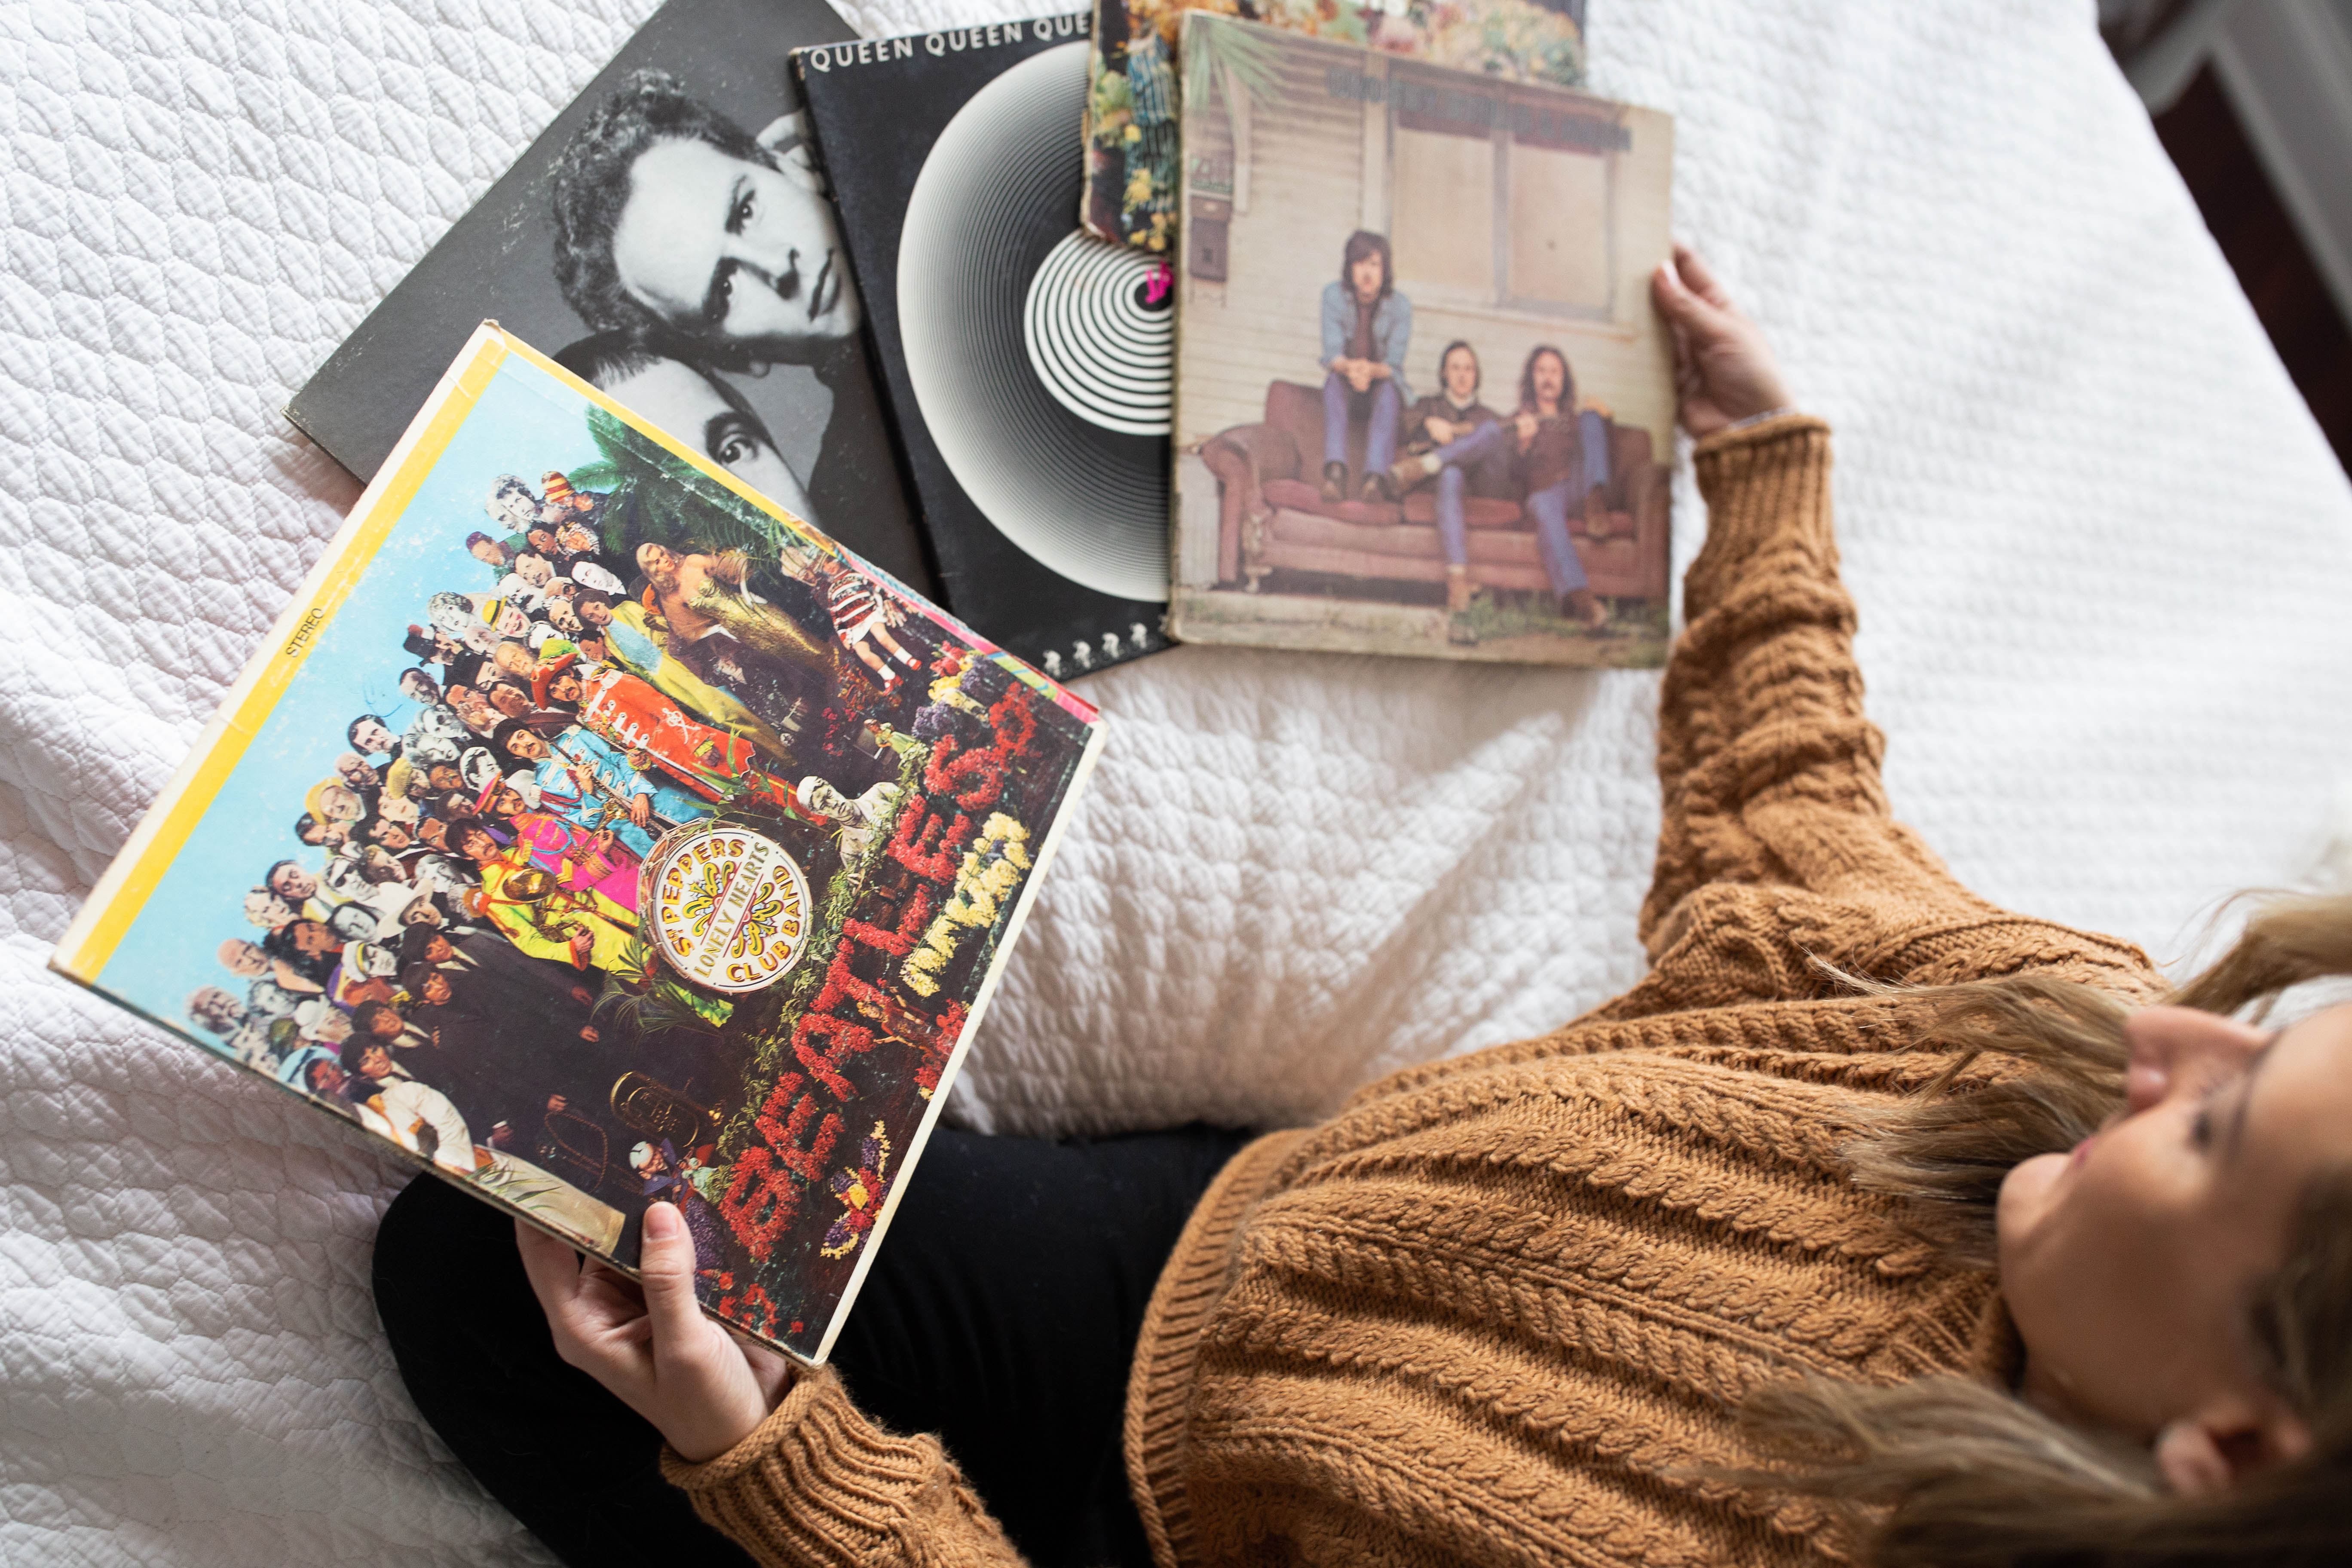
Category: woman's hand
[1724,370]
[649,1344]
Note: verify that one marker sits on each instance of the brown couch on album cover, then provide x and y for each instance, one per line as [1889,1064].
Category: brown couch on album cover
[1271,515]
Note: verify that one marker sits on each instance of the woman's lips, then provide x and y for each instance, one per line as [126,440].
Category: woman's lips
[2081,1151]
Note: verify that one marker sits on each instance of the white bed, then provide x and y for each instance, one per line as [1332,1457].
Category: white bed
[2102,555]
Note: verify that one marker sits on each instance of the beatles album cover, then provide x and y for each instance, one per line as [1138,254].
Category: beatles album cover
[1027,365]
[664,237]
[1422,403]
[1133,114]
[597,834]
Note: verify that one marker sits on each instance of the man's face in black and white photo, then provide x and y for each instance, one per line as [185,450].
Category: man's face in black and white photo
[681,399]
[734,251]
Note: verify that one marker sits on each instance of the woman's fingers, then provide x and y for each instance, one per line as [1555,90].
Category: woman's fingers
[1686,309]
[1700,279]
[553,1266]
[556,1280]
[665,1270]
[1723,367]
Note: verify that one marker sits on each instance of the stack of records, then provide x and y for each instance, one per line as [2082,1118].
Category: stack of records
[615,818]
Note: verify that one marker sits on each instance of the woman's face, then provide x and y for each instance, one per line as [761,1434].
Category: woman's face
[1365,275]
[2127,1264]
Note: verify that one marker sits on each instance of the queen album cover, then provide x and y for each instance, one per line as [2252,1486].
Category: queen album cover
[1027,364]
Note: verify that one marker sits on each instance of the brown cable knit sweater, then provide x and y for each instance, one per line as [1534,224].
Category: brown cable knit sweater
[1500,1308]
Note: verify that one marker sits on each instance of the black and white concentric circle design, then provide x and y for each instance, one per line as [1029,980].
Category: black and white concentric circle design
[1101,332]
[994,206]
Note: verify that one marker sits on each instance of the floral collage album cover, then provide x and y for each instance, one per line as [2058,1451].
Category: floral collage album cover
[598,834]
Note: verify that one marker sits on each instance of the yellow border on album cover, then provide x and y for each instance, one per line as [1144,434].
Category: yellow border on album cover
[123,893]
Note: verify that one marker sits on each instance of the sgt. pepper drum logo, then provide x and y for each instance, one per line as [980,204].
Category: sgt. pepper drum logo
[731,909]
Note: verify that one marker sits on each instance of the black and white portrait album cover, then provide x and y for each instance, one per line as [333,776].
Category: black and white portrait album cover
[1028,364]
[667,239]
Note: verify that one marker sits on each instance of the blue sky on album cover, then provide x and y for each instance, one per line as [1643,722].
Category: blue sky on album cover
[525,422]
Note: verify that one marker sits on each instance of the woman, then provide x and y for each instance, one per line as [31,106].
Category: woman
[1875,1222]
[1367,326]
[1559,464]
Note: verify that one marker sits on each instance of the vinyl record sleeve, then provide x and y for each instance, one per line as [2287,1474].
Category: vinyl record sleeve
[1134,112]
[1372,228]
[1029,384]
[816,405]
[708,917]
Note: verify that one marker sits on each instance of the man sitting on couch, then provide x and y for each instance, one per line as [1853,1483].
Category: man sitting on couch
[1553,448]
[1450,415]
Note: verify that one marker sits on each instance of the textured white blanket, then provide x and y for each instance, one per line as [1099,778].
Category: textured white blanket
[2103,558]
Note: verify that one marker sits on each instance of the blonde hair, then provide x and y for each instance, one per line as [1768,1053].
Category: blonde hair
[1951,1473]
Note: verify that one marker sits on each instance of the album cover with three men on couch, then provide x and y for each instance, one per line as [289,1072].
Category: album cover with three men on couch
[1409,418]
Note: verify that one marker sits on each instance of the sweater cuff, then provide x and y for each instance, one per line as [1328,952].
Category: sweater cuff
[817,1482]
[1160,1382]
[1764,484]
[1762,430]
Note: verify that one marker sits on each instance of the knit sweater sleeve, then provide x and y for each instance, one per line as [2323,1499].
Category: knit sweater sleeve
[1768,767]
[818,1484]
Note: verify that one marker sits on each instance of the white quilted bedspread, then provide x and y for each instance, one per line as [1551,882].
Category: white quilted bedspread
[2103,560]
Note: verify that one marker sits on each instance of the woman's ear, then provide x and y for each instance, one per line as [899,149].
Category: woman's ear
[2201,1455]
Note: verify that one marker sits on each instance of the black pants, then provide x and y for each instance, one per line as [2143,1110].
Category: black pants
[1000,1313]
